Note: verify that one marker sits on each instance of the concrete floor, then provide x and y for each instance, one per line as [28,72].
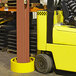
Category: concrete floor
[5,67]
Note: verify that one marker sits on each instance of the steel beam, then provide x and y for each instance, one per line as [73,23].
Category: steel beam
[22,31]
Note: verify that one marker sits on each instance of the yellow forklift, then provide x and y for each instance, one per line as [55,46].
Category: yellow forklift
[56,36]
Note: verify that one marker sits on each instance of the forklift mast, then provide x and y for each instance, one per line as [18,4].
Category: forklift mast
[45,26]
[50,11]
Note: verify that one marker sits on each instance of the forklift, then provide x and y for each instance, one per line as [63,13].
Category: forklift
[56,37]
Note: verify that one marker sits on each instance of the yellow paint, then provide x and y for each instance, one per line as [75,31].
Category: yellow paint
[3,21]
[22,67]
[58,17]
[64,41]
[64,35]
[41,30]
[38,51]
[64,56]
[42,27]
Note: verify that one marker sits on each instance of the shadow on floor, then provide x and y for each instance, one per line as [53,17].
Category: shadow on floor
[65,73]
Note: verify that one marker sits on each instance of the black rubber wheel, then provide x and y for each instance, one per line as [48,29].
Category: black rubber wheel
[43,63]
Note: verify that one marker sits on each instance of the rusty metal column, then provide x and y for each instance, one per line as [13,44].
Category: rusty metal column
[22,32]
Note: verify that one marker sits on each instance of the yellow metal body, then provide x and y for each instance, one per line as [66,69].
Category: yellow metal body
[64,56]
[64,41]
[41,30]
[58,17]
[22,67]
[64,35]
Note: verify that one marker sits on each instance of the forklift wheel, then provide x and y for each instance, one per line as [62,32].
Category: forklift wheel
[43,63]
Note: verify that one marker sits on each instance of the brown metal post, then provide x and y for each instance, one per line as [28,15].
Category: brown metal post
[22,32]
